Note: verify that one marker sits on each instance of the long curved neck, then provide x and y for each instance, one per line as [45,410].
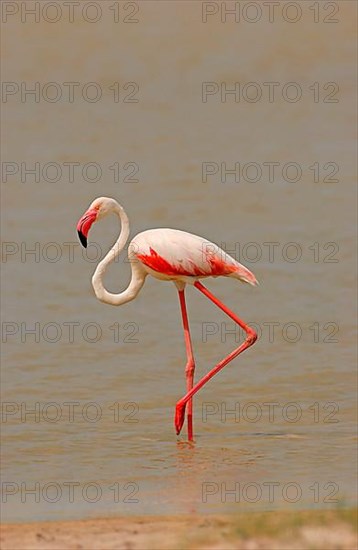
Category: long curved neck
[137,279]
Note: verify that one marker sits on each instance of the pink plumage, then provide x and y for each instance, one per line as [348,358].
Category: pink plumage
[175,254]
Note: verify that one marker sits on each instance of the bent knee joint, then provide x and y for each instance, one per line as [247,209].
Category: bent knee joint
[251,337]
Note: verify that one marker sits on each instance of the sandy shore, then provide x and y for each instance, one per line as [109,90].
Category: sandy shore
[311,530]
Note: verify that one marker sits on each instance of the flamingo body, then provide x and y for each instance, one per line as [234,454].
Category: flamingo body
[174,255]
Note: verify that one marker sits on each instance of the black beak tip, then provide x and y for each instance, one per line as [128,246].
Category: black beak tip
[82,238]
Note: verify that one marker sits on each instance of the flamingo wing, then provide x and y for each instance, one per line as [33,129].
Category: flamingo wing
[178,254]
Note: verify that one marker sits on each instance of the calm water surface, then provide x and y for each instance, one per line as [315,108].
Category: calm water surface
[277,426]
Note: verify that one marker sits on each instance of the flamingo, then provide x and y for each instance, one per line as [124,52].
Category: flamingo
[169,255]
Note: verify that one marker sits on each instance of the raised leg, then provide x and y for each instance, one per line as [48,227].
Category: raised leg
[250,339]
[190,365]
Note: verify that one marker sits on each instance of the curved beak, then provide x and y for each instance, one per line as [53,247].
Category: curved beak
[84,225]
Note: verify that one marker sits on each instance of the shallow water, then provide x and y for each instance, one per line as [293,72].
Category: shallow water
[276,428]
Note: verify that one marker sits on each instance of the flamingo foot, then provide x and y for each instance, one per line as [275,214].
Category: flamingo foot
[179,417]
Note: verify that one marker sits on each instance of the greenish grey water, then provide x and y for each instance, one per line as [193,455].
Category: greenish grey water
[134,372]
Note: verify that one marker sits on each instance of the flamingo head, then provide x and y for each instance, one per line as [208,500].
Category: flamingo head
[98,209]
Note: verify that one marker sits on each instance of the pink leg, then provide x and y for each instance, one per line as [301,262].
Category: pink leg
[250,339]
[190,365]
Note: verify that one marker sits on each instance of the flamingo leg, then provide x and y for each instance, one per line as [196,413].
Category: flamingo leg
[250,339]
[190,365]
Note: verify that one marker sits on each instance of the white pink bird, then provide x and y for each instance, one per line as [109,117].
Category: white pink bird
[169,255]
